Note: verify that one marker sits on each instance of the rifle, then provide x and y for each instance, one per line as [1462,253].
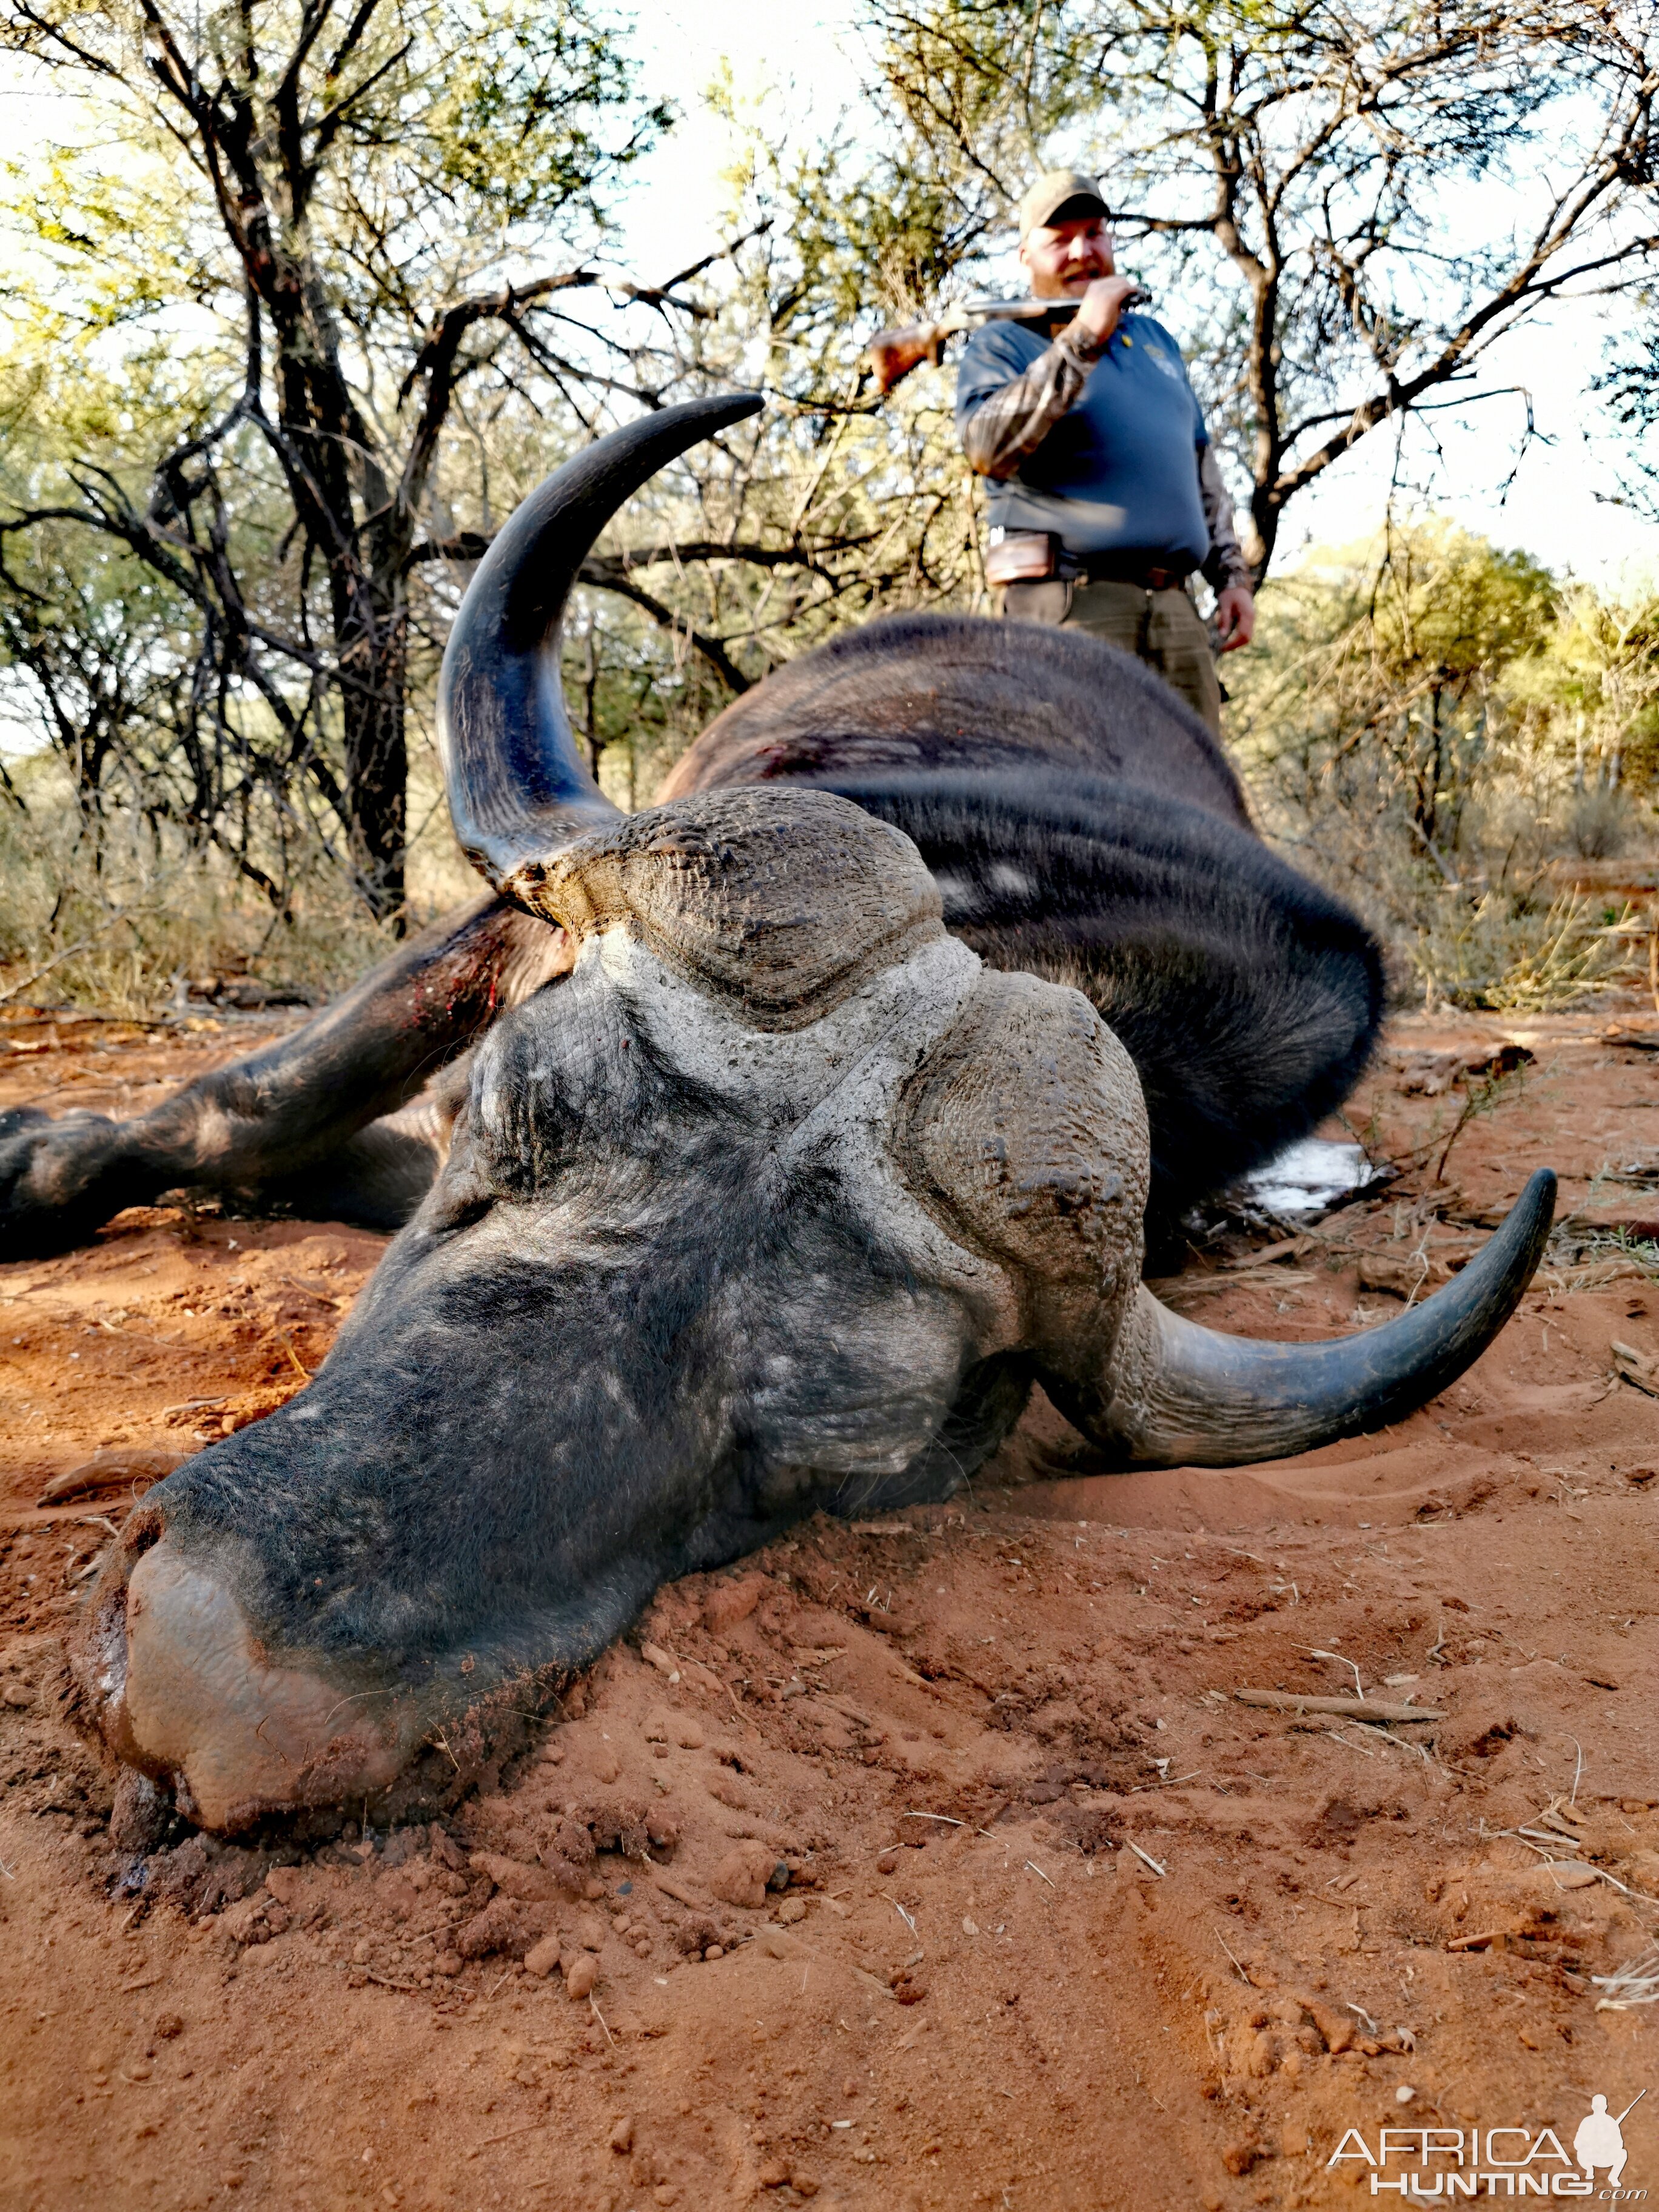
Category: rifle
[893,354]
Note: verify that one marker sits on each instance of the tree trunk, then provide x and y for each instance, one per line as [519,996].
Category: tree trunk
[374,726]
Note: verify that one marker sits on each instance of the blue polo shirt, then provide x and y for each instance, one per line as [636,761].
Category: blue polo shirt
[1120,472]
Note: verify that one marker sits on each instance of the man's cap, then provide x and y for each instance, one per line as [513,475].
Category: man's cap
[1056,189]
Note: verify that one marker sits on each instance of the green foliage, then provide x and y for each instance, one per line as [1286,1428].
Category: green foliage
[1407,724]
[312,238]
[1340,208]
[415,144]
[1388,655]
[1596,688]
[264,392]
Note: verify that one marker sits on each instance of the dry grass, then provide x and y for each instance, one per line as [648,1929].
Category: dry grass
[125,920]
[1506,954]
[1502,936]
[1634,1983]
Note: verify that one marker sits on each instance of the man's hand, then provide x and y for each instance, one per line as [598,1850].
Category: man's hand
[1102,305]
[1235,616]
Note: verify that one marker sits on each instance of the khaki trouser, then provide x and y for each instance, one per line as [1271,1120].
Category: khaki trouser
[1160,628]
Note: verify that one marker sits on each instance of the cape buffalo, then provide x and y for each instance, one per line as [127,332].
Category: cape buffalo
[762,1193]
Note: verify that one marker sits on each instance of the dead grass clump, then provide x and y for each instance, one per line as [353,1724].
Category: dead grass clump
[1634,1983]
[1504,953]
[125,914]
[1425,728]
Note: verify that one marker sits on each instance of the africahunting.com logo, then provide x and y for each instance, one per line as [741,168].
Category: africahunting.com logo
[1423,2163]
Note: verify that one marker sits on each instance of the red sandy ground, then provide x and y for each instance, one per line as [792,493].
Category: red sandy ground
[956,1726]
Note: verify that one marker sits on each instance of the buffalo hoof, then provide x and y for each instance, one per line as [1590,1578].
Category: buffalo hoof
[189,1693]
[59,1180]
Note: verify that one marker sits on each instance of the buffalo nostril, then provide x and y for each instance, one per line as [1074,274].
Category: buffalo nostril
[242,1733]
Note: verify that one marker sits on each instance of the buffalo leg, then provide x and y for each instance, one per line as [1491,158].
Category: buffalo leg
[291,1110]
[379,1177]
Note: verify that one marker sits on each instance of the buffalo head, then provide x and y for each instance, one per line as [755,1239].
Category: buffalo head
[778,1200]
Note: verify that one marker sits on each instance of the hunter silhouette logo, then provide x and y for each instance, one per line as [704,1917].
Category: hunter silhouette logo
[1422,2163]
[1601,2140]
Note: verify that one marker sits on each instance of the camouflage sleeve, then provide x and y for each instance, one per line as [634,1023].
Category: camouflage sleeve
[1014,420]
[1225,566]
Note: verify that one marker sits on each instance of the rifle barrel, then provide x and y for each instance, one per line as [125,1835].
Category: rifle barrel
[986,306]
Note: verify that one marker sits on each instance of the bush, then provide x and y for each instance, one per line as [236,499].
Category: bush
[124,914]
[1420,728]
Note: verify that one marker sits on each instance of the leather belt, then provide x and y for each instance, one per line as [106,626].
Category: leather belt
[1113,568]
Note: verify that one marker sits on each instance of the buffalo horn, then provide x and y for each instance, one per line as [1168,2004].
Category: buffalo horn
[1196,1398]
[519,788]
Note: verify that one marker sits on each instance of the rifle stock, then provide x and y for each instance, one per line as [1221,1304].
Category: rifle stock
[893,354]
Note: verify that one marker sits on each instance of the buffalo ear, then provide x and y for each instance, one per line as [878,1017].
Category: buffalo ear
[447,1093]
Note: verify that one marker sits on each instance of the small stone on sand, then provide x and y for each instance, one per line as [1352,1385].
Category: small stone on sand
[743,1875]
[543,1958]
[728,1603]
[1564,1874]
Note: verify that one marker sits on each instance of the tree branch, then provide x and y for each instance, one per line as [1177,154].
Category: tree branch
[712,650]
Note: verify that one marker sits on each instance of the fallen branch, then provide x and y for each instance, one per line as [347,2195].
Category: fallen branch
[677,1890]
[531,2128]
[1359,1709]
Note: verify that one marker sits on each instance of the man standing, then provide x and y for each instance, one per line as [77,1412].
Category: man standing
[1105,496]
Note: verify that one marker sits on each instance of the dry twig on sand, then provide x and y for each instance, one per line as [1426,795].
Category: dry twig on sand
[1357,1709]
[1634,1983]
